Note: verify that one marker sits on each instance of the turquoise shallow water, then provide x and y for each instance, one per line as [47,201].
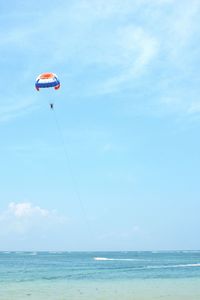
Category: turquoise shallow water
[100,275]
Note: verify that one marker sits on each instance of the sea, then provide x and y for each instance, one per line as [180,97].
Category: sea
[137,275]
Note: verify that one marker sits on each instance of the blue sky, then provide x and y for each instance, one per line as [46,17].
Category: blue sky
[123,172]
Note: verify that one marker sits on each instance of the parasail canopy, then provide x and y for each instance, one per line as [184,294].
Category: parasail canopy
[47,80]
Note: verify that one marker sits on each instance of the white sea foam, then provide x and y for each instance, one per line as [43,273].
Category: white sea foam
[148,267]
[33,253]
[56,252]
[187,265]
[174,266]
[114,259]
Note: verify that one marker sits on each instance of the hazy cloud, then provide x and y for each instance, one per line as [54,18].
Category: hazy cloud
[118,44]
[26,209]
[24,217]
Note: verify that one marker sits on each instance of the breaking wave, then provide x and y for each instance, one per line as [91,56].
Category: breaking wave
[150,266]
[174,266]
[115,259]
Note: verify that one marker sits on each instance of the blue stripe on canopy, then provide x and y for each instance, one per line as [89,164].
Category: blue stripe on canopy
[46,84]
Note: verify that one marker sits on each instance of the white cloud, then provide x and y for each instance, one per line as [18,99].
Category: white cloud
[26,209]
[137,49]
[182,25]
[24,217]
[123,40]
[194,107]
[15,109]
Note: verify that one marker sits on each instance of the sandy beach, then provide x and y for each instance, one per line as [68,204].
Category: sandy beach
[181,289]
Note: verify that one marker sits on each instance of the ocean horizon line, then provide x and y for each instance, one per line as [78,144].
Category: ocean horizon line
[97,251]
